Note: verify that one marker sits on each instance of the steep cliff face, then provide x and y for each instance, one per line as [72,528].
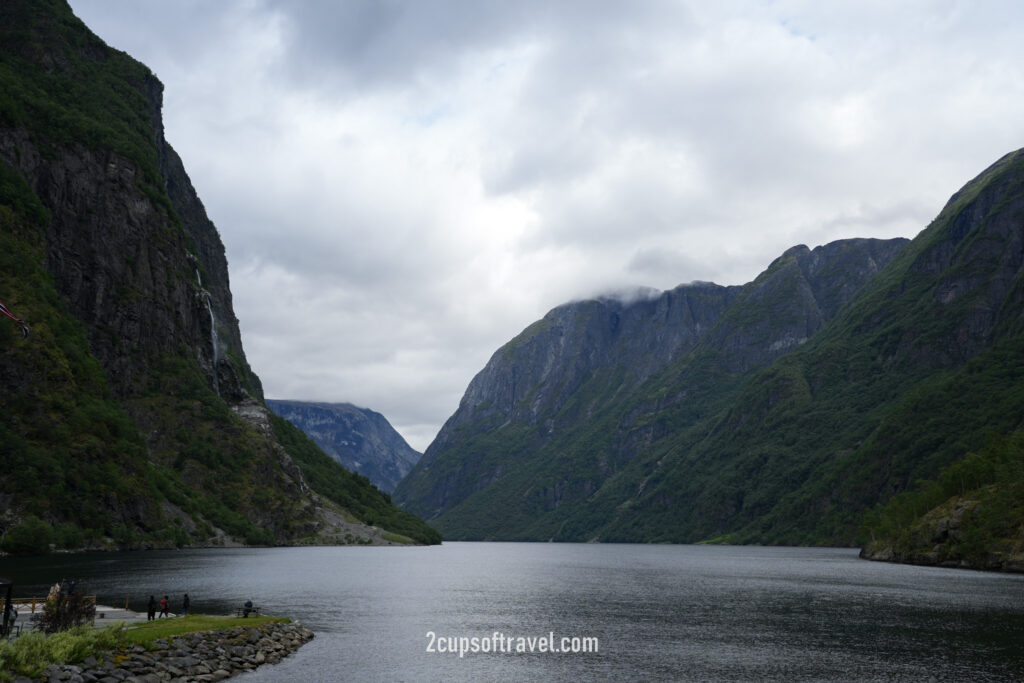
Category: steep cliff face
[127,245]
[565,409]
[126,270]
[360,439]
[911,377]
[536,374]
[222,356]
[131,414]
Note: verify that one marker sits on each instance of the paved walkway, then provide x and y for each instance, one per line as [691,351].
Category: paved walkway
[105,615]
[112,614]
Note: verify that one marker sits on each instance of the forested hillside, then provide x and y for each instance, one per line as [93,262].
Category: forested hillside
[129,416]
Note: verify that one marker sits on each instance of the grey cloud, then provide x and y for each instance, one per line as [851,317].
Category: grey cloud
[182,32]
[667,265]
[470,165]
[373,44]
[366,43]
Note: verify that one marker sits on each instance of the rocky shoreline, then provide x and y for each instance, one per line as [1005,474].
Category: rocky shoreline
[995,560]
[187,658]
[950,536]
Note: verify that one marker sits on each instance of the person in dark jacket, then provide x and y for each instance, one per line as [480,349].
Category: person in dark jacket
[151,613]
[185,602]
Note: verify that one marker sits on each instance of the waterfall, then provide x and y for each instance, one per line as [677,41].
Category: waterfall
[214,339]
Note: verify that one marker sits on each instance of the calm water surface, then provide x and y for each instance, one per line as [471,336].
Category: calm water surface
[683,613]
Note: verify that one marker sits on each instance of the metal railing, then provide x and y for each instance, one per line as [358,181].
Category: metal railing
[37,603]
[30,611]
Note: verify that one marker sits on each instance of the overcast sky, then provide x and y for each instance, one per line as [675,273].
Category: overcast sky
[403,185]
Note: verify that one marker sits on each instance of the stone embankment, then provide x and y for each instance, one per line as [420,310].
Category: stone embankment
[189,658]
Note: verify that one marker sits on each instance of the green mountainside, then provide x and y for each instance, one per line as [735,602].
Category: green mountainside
[783,412]
[129,416]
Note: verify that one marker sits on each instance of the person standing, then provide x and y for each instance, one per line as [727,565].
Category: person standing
[185,602]
[151,609]
[164,608]
[10,618]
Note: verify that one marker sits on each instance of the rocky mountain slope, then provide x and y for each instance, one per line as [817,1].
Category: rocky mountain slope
[565,408]
[360,439]
[130,415]
[776,412]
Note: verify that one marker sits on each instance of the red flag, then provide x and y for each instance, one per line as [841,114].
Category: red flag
[7,312]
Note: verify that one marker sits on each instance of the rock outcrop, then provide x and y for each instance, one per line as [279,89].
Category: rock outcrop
[945,537]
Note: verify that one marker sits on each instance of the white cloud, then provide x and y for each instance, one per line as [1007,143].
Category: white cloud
[402,187]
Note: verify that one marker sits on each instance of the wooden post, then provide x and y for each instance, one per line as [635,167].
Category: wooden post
[6,607]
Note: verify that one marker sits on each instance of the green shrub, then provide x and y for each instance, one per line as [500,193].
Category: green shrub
[66,611]
[32,652]
[68,536]
[27,655]
[32,537]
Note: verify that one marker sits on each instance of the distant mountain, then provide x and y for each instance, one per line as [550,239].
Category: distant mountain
[360,439]
[130,417]
[776,412]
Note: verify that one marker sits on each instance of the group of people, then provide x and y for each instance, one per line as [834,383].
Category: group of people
[165,607]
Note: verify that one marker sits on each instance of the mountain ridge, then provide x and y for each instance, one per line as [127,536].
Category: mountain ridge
[670,334]
[826,386]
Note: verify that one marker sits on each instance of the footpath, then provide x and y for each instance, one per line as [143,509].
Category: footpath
[108,615]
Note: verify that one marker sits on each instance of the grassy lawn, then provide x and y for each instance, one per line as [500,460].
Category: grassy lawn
[148,631]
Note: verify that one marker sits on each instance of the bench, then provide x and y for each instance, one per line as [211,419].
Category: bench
[246,611]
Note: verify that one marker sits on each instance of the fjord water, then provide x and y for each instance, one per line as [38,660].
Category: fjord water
[700,613]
